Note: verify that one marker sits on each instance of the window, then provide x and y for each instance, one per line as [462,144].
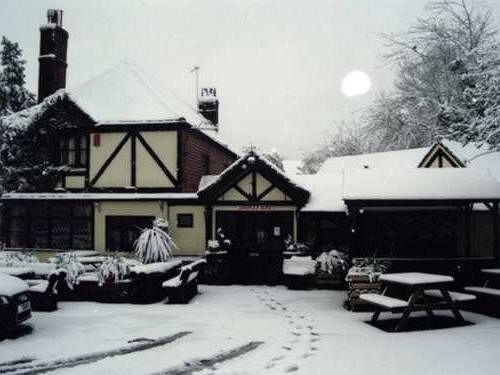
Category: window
[205,164]
[184,220]
[53,225]
[73,151]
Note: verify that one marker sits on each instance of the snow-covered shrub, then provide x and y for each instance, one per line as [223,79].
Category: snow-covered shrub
[297,247]
[154,244]
[371,267]
[17,258]
[70,263]
[113,268]
[332,262]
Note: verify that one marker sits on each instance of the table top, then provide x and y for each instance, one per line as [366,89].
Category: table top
[491,271]
[415,278]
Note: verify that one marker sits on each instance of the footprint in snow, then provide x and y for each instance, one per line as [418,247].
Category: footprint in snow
[292,368]
[278,358]
[314,339]
[287,347]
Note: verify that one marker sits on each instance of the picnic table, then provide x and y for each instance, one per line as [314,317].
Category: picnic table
[426,292]
[486,289]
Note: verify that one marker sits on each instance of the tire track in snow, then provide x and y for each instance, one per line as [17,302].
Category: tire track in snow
[195,365]
[303,338]
[39,368]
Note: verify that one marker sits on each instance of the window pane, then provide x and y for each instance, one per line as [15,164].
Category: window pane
[82,210]
[82,234]
[61,210]
[185,220]
[18,211]
[17,231]
[40,233]
[60,234]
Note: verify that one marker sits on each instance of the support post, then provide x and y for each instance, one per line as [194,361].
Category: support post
[496,242]
[467,230]
[353,213]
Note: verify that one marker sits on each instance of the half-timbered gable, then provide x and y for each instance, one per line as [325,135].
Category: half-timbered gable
[440,156]
[253,202]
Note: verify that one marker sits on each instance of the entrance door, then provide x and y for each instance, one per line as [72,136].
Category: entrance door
[257,243]
[122,231]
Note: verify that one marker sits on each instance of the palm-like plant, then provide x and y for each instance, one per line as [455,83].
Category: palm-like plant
[155,244]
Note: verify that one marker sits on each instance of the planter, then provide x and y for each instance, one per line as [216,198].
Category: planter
[358,284]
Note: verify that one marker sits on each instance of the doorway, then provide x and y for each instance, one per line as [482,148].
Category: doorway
[257,243]
[122,231]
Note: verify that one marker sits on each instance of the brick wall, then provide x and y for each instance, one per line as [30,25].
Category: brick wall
[194,146]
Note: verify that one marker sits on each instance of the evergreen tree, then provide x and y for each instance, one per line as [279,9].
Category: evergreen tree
[13,95]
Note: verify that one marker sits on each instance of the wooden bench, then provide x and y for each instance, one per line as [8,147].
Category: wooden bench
[183,287]
[42,293]
[483,290]
[384,302]
[455,296]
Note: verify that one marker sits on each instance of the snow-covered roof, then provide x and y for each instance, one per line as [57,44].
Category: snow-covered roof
[326,192]
[291,166]
[125,94]
[207,180]
[250,158]
[420,184]
[390,159]
[99,196]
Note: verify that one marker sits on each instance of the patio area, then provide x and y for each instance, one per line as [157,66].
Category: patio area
[244,329]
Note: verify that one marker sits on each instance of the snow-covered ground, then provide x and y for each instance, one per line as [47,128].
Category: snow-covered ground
[303,332]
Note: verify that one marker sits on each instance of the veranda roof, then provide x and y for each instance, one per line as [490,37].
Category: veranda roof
[419,184]
[326,192]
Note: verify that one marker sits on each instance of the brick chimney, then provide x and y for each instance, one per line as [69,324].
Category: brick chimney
[208,104]
[53,51]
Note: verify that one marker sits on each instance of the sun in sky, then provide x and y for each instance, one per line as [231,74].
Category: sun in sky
[356,83]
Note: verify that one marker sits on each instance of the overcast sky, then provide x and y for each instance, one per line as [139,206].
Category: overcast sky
[277,65]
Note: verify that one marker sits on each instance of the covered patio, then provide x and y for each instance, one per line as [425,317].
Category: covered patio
[434,218]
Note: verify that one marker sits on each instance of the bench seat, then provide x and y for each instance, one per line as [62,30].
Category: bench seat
[389,303]
[483,290]
[455,296]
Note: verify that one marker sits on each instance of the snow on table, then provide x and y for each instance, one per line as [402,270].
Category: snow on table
[299,266]
[10,286]
[491,271]
[415,278]
[160,267]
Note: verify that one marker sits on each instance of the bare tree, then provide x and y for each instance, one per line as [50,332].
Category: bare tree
[431,58]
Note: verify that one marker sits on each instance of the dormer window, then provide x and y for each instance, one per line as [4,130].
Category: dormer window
[73,151]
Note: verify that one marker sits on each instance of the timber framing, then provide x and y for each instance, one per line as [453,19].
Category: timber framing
[440,153]
[252,165]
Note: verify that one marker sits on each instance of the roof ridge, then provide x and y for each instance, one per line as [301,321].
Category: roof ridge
[145,82]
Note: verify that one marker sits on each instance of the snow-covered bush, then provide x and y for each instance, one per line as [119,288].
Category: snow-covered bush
[113,268]
[155,244]
[297,247]
[371,267]
[17,258]
[332,262]
[70,263]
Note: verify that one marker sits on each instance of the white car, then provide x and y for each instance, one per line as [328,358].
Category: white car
[15,306]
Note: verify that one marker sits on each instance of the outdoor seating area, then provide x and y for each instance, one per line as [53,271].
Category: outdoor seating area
[419,287]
